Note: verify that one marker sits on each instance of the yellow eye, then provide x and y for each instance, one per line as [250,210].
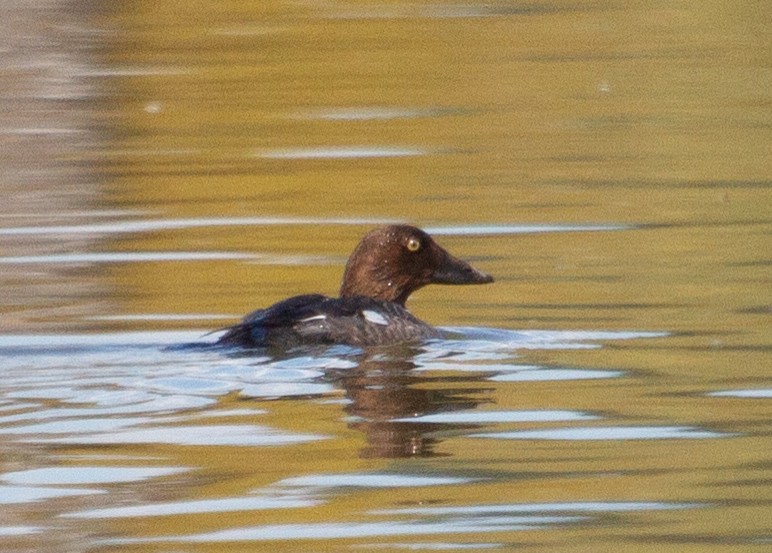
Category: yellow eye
[413,245]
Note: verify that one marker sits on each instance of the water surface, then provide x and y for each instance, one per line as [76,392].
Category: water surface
[166,169]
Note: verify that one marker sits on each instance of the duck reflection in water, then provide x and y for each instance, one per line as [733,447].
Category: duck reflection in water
[385,394]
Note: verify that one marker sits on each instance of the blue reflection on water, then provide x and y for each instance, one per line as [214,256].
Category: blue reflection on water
[332,530]
[757,393]
[230,504]
[86,475]
[440,520]
[10,495]
[483,417]
[126,388]
[608,433]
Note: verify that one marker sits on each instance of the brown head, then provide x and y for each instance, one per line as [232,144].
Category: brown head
[390,263]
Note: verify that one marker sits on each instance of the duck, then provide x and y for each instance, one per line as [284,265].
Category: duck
[385,268]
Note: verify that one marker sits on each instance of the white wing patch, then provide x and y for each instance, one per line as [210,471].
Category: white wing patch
[374,317]
[313,318]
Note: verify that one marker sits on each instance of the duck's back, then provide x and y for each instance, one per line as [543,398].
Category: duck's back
[318,319]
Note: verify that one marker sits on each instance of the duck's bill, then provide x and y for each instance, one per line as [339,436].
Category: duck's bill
[455,271]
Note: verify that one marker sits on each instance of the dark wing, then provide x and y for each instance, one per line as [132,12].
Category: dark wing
[273,325]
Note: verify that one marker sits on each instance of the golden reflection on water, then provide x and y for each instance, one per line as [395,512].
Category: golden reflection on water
[338,116]
[550,115]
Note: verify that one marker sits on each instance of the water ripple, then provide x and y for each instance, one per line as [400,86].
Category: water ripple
[757,393]
[225,505]
[341,152]
[10,495]
[608,433]
[485,417]
[331,530]
[206,435]
[371,480]
[86,475]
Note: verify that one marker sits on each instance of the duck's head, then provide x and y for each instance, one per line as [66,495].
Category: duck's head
[392,262]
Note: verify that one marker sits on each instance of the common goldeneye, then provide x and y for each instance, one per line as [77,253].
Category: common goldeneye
[388,265]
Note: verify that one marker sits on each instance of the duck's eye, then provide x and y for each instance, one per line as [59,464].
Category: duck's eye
[413,245]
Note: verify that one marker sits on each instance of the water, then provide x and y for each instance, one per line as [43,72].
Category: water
[166,169]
